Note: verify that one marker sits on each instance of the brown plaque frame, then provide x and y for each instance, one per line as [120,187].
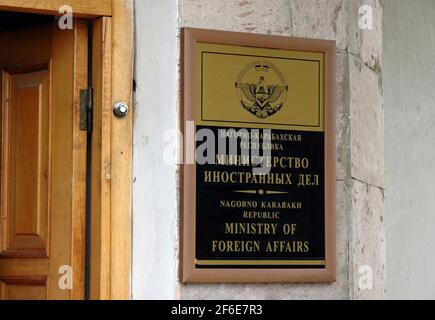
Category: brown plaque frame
[188,272]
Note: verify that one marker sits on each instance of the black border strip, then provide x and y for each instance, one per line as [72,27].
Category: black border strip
[230,266]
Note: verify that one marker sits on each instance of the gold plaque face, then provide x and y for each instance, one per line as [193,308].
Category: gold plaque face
[259,88]
[258,97]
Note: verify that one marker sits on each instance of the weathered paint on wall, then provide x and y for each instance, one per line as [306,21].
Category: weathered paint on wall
[155,182]
[409,42]
[359,140]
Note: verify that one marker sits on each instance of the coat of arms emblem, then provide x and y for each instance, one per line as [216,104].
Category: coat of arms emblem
[261,89]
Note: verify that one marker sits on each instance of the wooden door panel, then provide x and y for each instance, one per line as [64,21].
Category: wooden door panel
[26,163]
[43,162]
[23,288]
[24,279]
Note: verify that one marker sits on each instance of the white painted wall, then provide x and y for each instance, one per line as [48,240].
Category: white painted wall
[409,95]
[155,187]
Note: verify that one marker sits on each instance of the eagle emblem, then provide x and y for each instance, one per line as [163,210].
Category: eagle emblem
[261,89]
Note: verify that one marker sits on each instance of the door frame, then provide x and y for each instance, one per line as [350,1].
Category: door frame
[113,54]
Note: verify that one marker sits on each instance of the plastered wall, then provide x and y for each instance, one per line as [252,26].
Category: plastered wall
[359,136]
[409,74]
[155,207]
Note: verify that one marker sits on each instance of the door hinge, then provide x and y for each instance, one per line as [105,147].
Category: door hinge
[86,112]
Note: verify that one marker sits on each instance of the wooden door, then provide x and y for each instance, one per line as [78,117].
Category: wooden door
[43,162]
